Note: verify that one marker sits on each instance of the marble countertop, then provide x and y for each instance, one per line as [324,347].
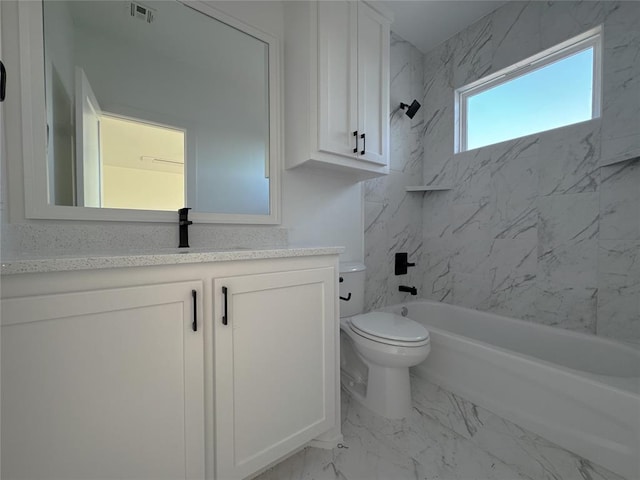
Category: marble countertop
[170,256]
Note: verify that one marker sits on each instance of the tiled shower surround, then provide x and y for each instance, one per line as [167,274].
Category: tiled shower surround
[393,217]
[537,228]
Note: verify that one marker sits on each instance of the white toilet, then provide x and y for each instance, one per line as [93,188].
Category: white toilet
[377,349]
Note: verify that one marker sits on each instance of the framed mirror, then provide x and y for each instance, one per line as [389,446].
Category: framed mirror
[140,108]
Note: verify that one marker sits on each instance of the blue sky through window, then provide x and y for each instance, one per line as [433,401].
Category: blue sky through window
[558,94]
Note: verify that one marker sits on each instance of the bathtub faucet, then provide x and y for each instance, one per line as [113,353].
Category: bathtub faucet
[411,290]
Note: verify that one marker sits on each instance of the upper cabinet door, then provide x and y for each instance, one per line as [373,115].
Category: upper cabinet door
[274,354]
[373,85]
[337,76]
[104,384]
[338,72]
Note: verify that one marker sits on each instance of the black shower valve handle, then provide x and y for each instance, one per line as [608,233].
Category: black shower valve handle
[402,263]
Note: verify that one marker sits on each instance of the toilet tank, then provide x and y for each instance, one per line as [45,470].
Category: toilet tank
[352,275]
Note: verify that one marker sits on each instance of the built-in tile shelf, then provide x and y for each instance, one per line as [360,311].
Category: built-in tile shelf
[427,188]
[619,160]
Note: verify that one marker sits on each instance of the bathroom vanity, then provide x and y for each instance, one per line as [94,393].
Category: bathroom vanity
[179,365]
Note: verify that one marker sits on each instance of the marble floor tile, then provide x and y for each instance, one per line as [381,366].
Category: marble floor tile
[418,447]
[530,455]
[445,438]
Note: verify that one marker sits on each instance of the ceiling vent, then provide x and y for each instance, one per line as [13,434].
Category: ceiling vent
[141,12]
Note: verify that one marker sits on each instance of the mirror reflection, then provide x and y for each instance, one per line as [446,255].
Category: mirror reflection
[154,106]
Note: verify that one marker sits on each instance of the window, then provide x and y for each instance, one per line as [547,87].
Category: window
[557,87]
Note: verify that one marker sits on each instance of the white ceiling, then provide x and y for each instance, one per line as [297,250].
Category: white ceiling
[428,23]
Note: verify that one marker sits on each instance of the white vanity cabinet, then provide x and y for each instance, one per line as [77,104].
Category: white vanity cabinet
[131,373]
[337,77]
[104,384]
[275,384]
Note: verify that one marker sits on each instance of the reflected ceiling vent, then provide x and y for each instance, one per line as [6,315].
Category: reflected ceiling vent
[141,12]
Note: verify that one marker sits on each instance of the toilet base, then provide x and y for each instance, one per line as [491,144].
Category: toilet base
[377,374]
[388,391]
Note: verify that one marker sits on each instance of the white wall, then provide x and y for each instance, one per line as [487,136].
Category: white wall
[319,207]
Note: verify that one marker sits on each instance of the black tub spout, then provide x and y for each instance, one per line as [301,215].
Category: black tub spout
[411,290]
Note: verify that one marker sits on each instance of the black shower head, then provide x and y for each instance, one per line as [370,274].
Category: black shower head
[412,110]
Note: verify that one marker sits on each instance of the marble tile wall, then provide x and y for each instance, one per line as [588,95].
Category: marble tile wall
[538,228]
[392,215]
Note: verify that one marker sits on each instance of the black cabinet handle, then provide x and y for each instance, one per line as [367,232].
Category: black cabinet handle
[355,134]
[3,82]
[194,295]
[224,313]
[364,144]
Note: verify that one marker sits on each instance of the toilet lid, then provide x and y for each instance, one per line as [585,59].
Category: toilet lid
[388,325]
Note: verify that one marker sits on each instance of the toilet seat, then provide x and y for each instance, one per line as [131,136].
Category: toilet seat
[390,329]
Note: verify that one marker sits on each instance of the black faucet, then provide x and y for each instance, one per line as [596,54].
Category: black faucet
[184,222]
[411,290]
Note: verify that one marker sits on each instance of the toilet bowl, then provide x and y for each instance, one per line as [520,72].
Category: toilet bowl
[377,350]
[386,388]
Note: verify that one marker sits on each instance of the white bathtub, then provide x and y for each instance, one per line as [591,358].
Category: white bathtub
[577,390]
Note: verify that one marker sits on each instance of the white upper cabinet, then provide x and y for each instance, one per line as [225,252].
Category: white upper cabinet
[373,85]
[337,79]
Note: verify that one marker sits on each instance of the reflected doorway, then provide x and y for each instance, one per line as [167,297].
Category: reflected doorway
[142,164]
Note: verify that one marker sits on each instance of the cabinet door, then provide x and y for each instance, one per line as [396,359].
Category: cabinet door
[337,82]
[373,85]
[274,366]
[104,384]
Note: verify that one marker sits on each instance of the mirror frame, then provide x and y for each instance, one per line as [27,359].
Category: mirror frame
[34,156]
